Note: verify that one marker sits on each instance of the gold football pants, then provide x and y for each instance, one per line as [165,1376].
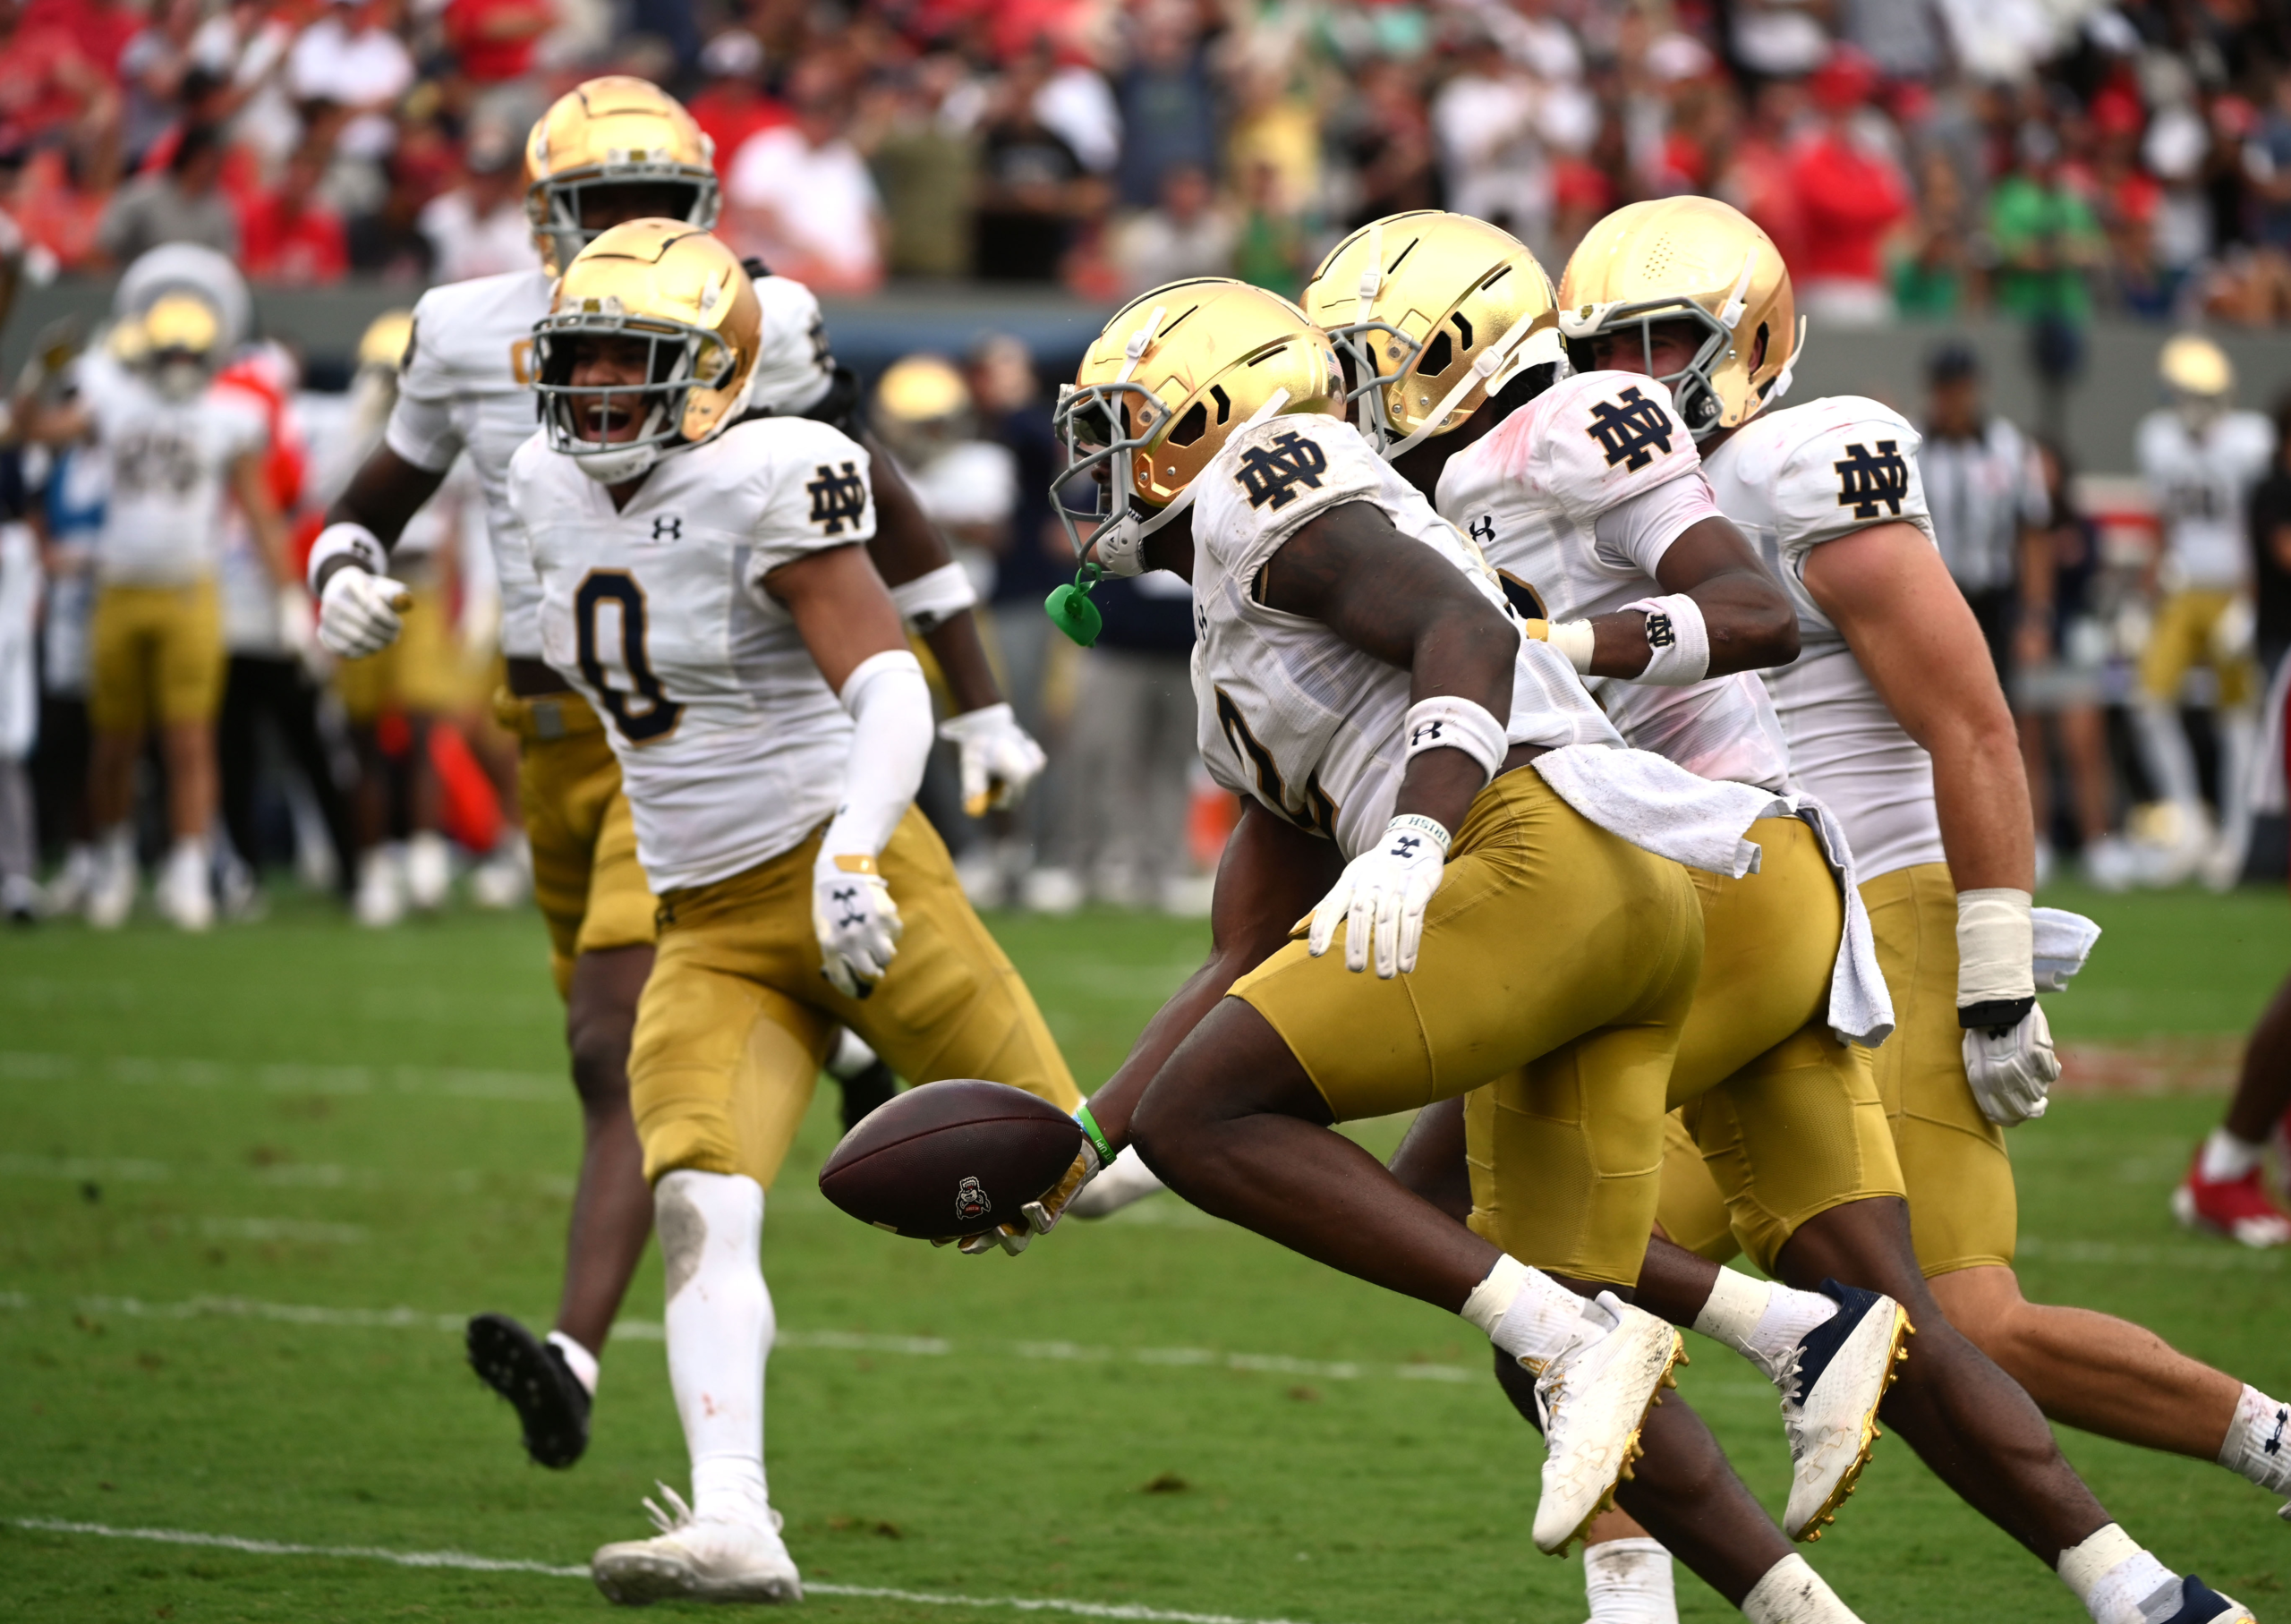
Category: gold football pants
[1783,1121]
[586,880]
[1558,964]
[737,1015]
[1953,1162]
[154,653]
[2180,640]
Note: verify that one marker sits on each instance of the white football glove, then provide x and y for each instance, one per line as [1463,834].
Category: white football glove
[2011,1069]
[1384,892]
[998,758]
[359,613]
[857,925]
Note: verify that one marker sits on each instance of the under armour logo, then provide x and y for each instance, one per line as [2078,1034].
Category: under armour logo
[2274,1444]
[847,898]
[1863,480]
[837,498]
[668,527]
[1404,845]
[1426,733]
[1270,474]
[1630,428]
[1659,633]
[1483,530]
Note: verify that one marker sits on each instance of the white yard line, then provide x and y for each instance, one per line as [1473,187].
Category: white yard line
[840,1341]
[465,1562]
[288,1077]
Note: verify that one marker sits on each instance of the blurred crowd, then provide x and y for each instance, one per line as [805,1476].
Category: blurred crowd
[1923,158]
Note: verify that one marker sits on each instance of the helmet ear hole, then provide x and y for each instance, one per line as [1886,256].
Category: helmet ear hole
[1757,346]
[1439,355]
[1193,425]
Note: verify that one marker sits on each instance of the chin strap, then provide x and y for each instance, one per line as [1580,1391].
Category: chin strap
[1789,368]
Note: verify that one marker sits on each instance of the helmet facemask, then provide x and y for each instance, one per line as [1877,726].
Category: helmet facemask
[579,417]
[556,205]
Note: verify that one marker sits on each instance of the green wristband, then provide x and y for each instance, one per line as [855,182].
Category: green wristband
[1089,1126]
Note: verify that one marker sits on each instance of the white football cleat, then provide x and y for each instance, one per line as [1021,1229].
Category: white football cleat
[698,1559]
[1831,1383]
[1594,1396]
[186,896]
[1126,1179]
[381,902]
[111,889]
[429,871]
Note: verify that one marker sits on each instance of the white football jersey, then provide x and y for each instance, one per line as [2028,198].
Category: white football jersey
[167,467]
[732,747]
[1792,480]
[1291,714]
[2202,488]
[1573,499]
[467,385]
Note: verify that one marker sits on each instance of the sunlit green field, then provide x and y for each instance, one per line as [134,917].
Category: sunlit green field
[250,1184]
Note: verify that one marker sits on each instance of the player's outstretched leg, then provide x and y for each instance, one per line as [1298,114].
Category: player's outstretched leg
[552,1381]
[2223,1192]
[725,1546]
[1233,1124]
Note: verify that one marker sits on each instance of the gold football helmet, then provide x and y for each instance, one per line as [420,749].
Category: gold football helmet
[386,341]
[1700,261]
[612,131]
[682,294]
[1435,311]
[177,343]
[1173,376]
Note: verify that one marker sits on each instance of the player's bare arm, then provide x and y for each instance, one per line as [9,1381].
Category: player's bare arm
[1909,626]
[841,607]
[1395,599]
[253,494]
[385,493]
[1744,609]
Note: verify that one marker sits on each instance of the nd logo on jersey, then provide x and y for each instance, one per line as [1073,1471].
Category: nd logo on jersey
[1630,430]
[1863,480]
[1270,474]
[837,498]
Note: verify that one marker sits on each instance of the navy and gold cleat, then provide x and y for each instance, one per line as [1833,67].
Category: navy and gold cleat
[2201,1604]
[1830,1389]
[533,1377]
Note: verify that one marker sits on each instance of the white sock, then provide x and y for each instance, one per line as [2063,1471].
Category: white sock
[117,845]
[578,1359]
[1524,1310]
[2259,1441]
[1627,1581]
[1793,1592]
[851,1056]
[720,1330]
[1761,1320]
[2169,758]
[2118,1581]
[2226,1158]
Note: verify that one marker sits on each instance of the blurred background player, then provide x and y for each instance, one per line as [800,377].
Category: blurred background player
[172,446]
[704,581]
[22,580]
[2201,458]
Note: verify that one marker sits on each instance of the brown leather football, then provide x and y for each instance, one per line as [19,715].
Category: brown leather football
[952,1158]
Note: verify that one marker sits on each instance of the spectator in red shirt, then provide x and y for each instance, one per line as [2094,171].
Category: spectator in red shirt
[732,104]
[1851,195]
[47,80]
[287,234]
[494,39]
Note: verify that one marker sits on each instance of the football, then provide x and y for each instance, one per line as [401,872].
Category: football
[952,1158]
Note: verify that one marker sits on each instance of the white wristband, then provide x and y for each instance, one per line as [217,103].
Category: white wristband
[928,601]
[1994,948]
[353,542]
[1575,640]
[1417,823]
[1678,641]
[1446,721]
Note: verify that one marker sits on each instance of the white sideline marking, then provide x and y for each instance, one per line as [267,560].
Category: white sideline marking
[839,1341]
[467,1562]
[288,1077]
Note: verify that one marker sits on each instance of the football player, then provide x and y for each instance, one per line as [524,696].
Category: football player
[1895,718]
[1585,494]
[706,587]
[173,447]
[2199,458]
[1354,653]
[613,150]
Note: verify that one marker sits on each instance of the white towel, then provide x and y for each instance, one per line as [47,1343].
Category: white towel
[2060,943]
[1860,1008]
[1660,807]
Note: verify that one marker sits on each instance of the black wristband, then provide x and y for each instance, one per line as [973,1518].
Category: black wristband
[1996,1014]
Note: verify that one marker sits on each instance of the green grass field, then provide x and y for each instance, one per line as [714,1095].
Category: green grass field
[251,1184]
